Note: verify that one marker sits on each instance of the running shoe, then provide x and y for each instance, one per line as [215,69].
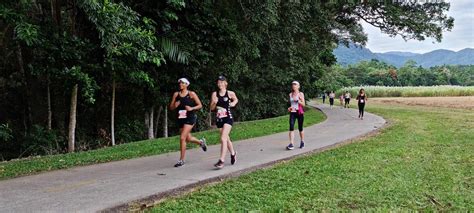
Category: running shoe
[233,158]
[290,147]
[203,144]
[301,145]
[179,164]
[219,164]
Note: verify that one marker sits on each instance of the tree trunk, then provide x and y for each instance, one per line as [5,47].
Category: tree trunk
[112,114]
[28,120]
[165,123]
[147,123]
[50,112]
[72,119]
[157,120]
[52,4]
[58,13]
[150,122]
[73,17]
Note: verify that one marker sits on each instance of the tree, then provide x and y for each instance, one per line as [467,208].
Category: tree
[121,57]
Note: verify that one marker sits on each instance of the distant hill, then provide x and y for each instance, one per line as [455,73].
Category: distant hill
[354,54]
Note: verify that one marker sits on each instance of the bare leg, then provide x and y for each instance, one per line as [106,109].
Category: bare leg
[192,139]
[182,139]
[230,147]
[302,135]
[225,141]
[292,137]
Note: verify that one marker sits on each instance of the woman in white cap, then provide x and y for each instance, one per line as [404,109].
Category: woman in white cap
[186,102]
[296,110]
[221,102]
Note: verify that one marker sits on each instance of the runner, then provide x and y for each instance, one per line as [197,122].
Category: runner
[331,98]
[222,101]
[347,98]
[361,100]
[296,110]
[324,97]
[186,102]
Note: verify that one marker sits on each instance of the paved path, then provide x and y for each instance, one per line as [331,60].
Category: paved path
[98,187]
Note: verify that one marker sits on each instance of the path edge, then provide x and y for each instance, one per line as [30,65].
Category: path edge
[147,202]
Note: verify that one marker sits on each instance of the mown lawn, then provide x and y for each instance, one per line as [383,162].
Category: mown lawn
[241,131]
[424,161]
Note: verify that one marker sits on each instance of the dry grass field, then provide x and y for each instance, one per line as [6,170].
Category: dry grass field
[463,102]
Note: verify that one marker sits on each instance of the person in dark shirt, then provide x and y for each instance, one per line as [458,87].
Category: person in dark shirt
[361,100]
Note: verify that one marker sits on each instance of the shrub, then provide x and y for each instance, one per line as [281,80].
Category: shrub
[5,133]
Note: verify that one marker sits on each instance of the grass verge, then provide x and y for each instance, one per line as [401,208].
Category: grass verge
[244,130]
[423,161]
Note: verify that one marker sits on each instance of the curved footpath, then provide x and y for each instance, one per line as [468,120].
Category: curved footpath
[110,186]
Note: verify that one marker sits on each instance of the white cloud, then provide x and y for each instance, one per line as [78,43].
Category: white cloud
[460,37]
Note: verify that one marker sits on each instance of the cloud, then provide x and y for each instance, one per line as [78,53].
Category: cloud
[460,37]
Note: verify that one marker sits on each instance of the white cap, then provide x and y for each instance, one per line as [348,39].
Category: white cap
[295,82]
[184,80]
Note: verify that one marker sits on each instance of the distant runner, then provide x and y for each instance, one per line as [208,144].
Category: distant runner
[331,98]
[361,100]
[347,99]
[296,109]
[186,102]
[221,102]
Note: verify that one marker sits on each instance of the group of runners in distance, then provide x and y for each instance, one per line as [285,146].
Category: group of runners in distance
[345,99]
[186,102]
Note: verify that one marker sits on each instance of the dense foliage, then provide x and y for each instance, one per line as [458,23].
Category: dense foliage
[378,73]
[76,74]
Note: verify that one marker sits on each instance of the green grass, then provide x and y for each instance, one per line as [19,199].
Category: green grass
[244,130]
[432,91]
[424,161]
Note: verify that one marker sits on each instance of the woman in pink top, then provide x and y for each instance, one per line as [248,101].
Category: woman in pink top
[297,102]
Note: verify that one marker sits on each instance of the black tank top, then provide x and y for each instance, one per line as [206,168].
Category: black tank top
[223,103]
[185,101]
[361,99]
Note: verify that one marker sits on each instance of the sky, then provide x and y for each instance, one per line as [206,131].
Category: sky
[460,37]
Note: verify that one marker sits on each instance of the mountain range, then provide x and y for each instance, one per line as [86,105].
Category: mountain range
[354,54]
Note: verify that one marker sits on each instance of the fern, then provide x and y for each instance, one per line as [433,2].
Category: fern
[172,51]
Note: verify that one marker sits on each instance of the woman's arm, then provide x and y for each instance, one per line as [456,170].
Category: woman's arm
[213,101]
[302,100]
[234,99]
[196,100]
[289,108]
[173,103]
